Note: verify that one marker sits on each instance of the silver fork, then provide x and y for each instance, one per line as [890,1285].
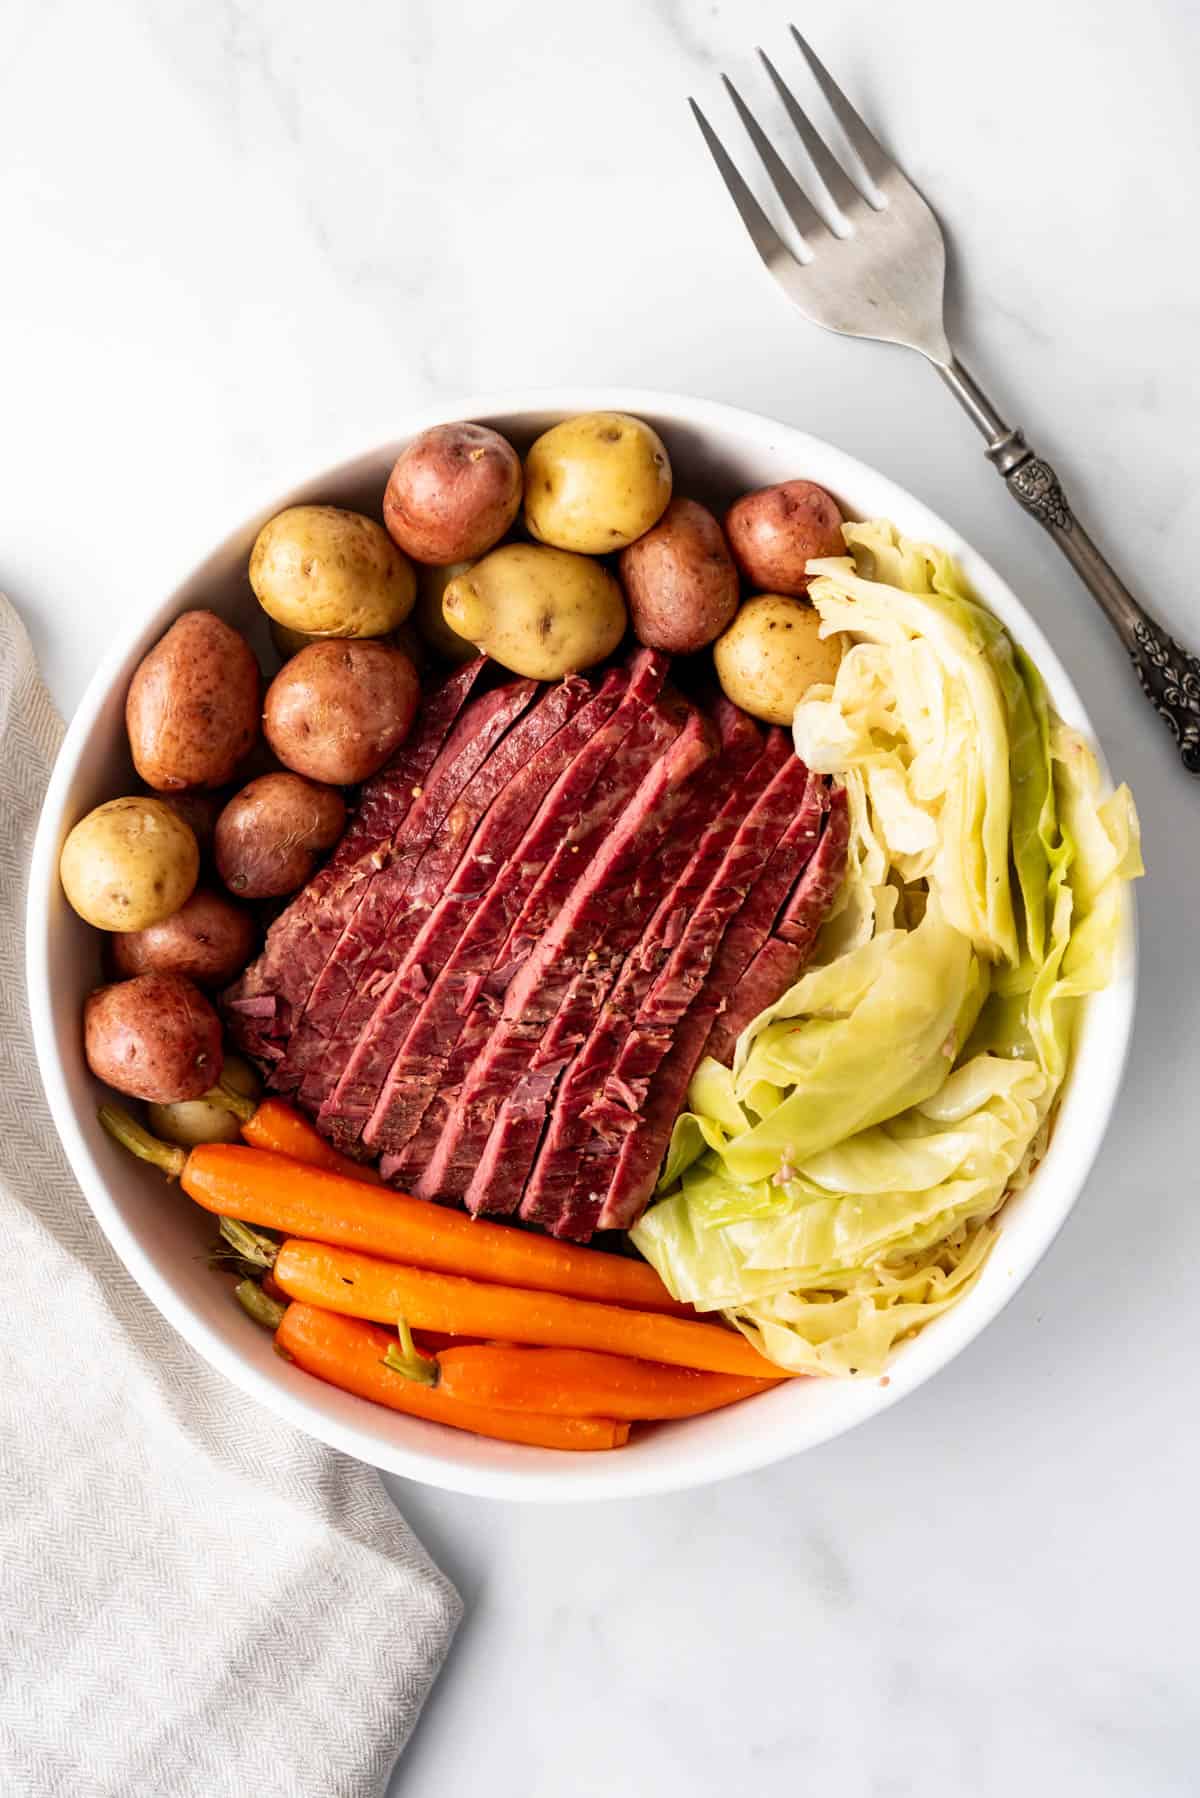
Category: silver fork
[872,263]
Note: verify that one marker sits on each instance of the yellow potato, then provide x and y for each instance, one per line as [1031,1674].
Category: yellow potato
[331,573]
[191,1121]
[772,654]
[129,864]
[541,612]
[431,622]
[595,482]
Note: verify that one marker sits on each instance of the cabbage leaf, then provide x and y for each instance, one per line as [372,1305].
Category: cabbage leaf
[838,1185]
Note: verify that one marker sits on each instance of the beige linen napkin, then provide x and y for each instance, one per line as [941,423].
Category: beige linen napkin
[195,1600]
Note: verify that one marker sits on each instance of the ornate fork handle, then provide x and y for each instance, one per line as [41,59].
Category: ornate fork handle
[1169,674]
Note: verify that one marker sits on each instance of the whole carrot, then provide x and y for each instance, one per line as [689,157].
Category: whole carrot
[362,1286]
[286,1131]
[350,1355]
[276,1193]
[581,1383]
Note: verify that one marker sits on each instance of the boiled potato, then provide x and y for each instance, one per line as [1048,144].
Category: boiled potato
[453,493]
[680,580]
[209,939]
[331,573]
[189,1122]
[340,709]
[129,864]
[431,621]
[595,482]
[289,643]
[540,612]
[272,834]
[192,707]
[776,531]
[772,654]
[155,1037]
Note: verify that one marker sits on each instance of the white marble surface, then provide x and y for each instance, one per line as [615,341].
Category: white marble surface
[239,241]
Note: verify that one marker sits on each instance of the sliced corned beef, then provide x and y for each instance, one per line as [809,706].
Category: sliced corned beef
[543,981]
[311,1064]
[780,961]
[790,805]
[687,862]
[615,1191]
[353,1099]
[453,1024]
[260,1005]
[626,898]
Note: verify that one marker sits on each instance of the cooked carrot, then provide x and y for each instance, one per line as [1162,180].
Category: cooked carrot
[363,1286]
[286,1131]
[270,1191]
[581,1383]
[276,1193]
[350,1354]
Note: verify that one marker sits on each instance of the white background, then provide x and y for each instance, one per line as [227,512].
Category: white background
[239,241]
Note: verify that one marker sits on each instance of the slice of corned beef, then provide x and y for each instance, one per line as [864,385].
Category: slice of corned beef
[627,898]
[432,939]
[687,862]
[574,942]
[618,1189]
[455,1020]
[259,1007]
[792,804]
[781,959]
[316,1033]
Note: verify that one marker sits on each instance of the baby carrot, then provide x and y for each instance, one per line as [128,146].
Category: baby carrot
[288,1132]
[362,1286]
[581,1383]
[276,1194]
[349,1354]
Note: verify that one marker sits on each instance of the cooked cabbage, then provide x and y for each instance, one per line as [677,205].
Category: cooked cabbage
[835,1188]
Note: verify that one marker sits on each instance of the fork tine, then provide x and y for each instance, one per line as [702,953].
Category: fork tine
[838,185]
[763,234]
[795,201]
[871,153]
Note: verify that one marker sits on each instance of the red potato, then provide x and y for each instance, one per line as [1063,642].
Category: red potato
[680,580]
[340,709]
[776,531]
[209,940]
[192,708]
[453,493]
[272,834]
[155,1037]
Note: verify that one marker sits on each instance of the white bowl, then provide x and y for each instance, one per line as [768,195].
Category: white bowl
[717,451]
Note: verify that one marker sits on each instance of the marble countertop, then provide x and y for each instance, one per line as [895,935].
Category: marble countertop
[239,243]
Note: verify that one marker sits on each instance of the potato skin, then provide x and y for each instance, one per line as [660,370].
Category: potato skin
[331,573]
[595,482]
[192,707]
[192,1121]
[772,654]
[431,621]
[775,531]
[208,940]
[340,709]
[272,834]
[680,580]
[155,1037]
[452,493]
[128,864]
[540,612]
